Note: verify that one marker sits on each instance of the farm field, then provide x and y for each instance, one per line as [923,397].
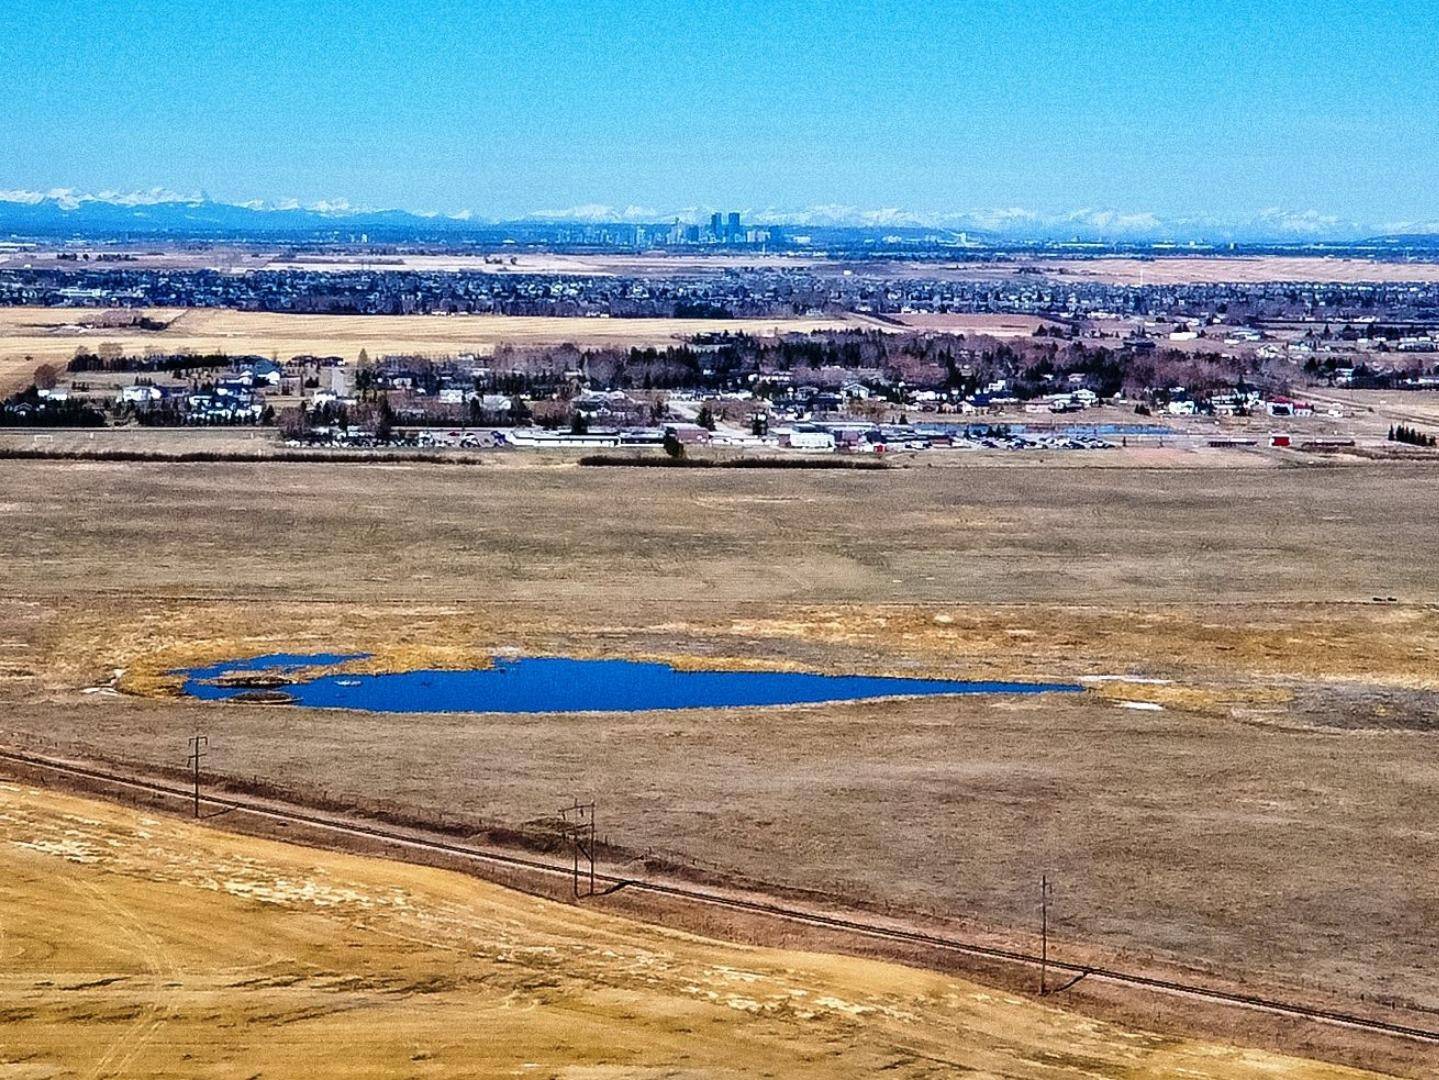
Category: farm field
[997,326]
[30,336]
[1201,269]
[243,258]
[1114,269]
[184,949]
[539,262]
[15,370]
[1233,794]
[1383,407]
[1167,269]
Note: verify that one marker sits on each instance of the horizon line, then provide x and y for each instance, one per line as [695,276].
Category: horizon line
[1271,223]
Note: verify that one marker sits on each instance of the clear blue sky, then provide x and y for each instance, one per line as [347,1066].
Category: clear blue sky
[507,108]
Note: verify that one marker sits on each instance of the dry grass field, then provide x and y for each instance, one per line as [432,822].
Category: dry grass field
[1202,269]
[30,336]
[996,326]
[1264,825]
[597,265]
[1121,270]
[245,258]
[134,944]
[1160,269]
[16,370]
[1383,407]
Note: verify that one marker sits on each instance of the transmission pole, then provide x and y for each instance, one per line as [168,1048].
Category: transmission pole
[578,823]
[199,747]
[1043,934]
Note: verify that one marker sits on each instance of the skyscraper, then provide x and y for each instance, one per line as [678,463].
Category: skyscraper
[717,225]
[732,232]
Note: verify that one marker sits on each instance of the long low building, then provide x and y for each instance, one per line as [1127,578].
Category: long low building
[541,437]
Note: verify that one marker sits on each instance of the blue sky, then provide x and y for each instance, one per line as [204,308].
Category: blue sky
[503,108]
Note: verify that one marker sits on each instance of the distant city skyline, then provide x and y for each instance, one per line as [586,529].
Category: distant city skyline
[64,204]
[1138,111]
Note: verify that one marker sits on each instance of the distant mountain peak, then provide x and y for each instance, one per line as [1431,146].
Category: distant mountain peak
[68,211]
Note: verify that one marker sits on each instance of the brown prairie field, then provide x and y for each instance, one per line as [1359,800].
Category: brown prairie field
[1211,269]
[139,945]
[31,336]
[1163,269]
[1160,269]
[16,370]
[250,257]
[996,326]
[1262,820]
[1118,270]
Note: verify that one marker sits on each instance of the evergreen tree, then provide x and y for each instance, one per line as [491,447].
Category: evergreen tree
[384,420]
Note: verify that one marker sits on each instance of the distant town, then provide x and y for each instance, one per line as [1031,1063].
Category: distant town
[727,292]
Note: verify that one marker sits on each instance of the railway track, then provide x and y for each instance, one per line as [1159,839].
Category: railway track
[858,927]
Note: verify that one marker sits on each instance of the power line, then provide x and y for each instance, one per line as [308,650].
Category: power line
[797,915]
[199,748]
[578,823]
[1043,934]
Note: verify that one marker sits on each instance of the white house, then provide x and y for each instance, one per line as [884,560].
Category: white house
[262,371]
[811,440]
[141,395]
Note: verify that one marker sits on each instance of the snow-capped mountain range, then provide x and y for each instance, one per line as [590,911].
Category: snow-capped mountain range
[161,211]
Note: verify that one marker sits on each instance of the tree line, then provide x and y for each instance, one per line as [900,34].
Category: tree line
[1402,433]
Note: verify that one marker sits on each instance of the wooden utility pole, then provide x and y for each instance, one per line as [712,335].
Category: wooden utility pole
[1043,934]
[199,747]
[579,825]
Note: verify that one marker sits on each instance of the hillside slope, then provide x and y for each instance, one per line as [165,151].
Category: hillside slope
[136,946]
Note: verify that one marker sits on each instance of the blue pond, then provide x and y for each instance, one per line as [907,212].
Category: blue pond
[557,684]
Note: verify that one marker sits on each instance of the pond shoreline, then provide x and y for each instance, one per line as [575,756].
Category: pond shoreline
[559,684]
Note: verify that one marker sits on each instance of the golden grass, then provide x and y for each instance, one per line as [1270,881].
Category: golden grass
[1262,823]
[16,370]
[998,326]
[539,262]
[29,336]
[1199,269]
[137,946]
[1385,647]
